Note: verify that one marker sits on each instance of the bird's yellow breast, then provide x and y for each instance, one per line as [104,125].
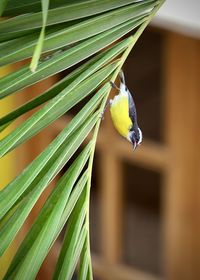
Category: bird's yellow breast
[120,114]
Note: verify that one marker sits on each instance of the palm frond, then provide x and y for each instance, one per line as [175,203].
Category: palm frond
[61,36]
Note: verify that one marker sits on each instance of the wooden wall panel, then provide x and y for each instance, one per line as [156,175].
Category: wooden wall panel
[182,193]
[111,207]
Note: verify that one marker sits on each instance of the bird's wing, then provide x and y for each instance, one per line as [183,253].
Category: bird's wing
[132,109]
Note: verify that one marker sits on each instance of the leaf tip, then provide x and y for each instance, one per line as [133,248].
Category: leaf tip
[33,68]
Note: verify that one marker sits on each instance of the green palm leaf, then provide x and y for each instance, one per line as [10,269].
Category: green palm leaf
[102,58]
[38,49]
[58,37]
[59,105]
[70,34]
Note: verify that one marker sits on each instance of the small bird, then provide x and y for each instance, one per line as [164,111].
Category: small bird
[124,115]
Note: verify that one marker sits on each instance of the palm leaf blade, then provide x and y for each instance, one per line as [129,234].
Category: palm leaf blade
[72,33]
[27,242]
[107,56]
[65,264]
[9,195]
[44,235]
[22,78]
[63,14]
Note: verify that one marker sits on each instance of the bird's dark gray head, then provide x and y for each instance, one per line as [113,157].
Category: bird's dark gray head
[135,133]
[135,137]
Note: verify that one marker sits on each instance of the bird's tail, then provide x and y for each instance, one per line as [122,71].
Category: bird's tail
[122,78]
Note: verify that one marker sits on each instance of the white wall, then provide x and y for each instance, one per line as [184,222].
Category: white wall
[181,16]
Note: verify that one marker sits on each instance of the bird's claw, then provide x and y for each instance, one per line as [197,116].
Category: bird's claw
[102,116]
[114,85]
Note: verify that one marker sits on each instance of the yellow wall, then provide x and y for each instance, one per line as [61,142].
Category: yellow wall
[7,168]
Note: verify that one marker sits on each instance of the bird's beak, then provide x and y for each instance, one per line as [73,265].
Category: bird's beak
[134,146]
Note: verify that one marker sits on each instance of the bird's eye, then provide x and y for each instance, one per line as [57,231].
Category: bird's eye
[126,88]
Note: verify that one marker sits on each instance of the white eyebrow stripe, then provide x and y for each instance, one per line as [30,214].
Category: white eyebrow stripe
[140,136]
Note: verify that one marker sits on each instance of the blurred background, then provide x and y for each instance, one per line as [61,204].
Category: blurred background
[145,206]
